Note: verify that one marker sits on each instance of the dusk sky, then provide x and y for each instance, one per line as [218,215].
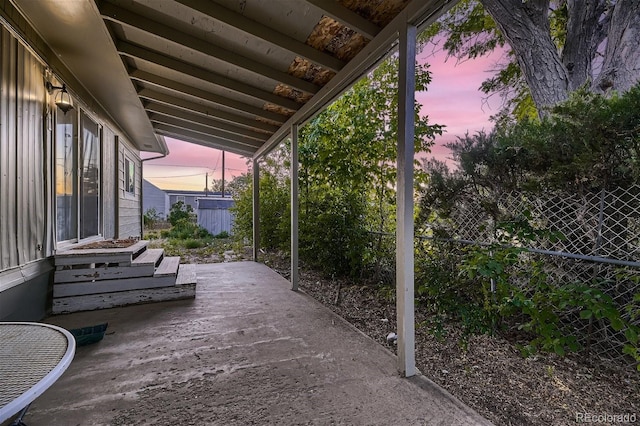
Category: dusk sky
[452,100]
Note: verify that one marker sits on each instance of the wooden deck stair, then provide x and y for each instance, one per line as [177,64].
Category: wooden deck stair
[90,279]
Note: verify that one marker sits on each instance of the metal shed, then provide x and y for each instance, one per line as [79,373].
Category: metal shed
[214,215]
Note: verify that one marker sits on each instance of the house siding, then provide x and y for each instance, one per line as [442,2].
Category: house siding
[130,213]
[27,177]
[22,206]
[25,231]
[154,198]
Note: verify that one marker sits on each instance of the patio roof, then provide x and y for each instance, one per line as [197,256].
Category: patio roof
[233,75]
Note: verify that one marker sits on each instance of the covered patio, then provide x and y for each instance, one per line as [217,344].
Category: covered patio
[240,76]
[247,350]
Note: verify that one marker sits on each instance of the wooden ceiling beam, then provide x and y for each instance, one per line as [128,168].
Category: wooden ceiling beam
[165,99]
[351,19]
[130,19]
[206,130]
[261,31]
[165,110]
[202,139]
[195,92]
[143,54]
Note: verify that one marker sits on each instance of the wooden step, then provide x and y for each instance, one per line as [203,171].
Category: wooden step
[149,257]
[93,302]
[103,273]
[168,267]
[186,274]
[121,256]
[111,286]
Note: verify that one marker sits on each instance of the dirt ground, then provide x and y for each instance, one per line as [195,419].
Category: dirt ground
[488,373]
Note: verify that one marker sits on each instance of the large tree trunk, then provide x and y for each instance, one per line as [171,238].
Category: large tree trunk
[621,66]
[525,26]
[552,75]
[585,32]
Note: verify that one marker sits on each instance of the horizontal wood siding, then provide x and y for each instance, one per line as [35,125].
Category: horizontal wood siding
[155,198]
[130,205]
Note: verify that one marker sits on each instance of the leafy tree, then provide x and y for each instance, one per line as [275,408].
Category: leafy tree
[353,143]
[555,46]
[274,203]
[347,175]
[238,184]
[587,143]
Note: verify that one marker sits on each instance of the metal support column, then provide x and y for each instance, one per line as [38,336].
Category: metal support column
[256,209]
[404,229]
[294,207]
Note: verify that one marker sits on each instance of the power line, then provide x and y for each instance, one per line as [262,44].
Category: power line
[173,177]
[176,165]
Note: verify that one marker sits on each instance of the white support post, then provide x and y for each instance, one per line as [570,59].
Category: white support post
[294,207]
[256,209]
[404,230]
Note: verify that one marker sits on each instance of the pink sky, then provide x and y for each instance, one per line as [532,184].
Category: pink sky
[187,165]
[452,99]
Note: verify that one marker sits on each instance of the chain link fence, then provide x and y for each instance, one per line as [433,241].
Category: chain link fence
[593,239]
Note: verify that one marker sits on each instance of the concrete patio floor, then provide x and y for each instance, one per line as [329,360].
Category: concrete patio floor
[247,350]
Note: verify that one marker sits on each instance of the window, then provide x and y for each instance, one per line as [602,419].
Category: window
[77,176]
[129,176]
[66,177]
[90,178]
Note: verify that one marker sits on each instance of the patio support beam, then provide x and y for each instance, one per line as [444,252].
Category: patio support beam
[256,209]
[404,229]
[294,207]
[419,12]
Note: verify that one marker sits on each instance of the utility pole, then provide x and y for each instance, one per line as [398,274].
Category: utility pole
[206,185]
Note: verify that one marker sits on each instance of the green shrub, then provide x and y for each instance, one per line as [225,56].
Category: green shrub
[274,213]
[193,243]
[180,212]
[150,218]
[333,238]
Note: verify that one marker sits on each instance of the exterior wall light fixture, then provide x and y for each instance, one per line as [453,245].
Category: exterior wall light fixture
[63,99]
